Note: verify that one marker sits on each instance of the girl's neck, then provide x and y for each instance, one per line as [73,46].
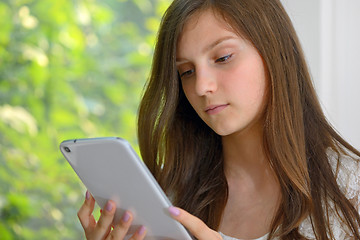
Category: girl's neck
[244,153]
[254,191]
[245,160]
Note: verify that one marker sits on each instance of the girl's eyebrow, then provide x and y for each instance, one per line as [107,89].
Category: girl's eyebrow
[209,47]
[217,42]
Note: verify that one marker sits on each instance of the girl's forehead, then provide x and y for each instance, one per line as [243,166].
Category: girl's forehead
[203,19]
[209,14]
[204,28]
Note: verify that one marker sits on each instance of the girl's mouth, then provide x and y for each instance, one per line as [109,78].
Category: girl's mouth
[214,109]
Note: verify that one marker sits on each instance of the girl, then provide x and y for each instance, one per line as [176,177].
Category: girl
[231,128]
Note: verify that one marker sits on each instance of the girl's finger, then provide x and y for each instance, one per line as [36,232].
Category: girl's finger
[140,234]
[196,227]
[103,226]
[120,230]
[85,215]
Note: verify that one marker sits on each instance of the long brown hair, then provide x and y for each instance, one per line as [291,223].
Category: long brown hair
[185,155]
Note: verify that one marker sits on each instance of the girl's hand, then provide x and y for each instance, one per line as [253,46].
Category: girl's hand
[195,226]
[103,229]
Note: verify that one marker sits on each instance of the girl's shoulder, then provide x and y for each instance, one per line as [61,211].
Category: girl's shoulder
[347,172]
[346,168]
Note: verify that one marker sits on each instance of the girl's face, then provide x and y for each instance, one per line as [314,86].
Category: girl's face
[222,74]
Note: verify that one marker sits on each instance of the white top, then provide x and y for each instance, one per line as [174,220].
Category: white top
[231,238]
[348,178]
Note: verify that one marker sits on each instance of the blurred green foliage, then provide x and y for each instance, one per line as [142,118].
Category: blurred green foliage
[68,69]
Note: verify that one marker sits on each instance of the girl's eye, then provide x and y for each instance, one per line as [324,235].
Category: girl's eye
[187,73]
[223,59]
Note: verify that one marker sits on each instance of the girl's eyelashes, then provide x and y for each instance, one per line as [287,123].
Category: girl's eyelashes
[190,72]
[224,58]
[187,73]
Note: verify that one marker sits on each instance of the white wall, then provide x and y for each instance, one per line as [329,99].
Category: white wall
[329,31]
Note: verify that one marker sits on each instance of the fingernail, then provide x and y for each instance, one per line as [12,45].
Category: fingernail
[109,207]
[141,230]
[87,195]
[174,211]
[125,217]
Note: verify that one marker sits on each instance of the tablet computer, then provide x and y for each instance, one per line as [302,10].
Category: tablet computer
[111,169]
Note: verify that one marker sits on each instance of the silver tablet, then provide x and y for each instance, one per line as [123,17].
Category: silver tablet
[110,169]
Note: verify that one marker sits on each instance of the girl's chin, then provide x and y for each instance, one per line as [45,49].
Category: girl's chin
[222,132]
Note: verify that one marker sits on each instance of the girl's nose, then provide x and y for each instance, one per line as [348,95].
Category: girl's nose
[206,82]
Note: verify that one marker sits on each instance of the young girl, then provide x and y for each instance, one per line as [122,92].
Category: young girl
[232,129]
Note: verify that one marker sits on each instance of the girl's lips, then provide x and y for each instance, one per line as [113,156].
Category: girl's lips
[214,109]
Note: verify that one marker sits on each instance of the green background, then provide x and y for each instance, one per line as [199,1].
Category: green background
[68,69]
